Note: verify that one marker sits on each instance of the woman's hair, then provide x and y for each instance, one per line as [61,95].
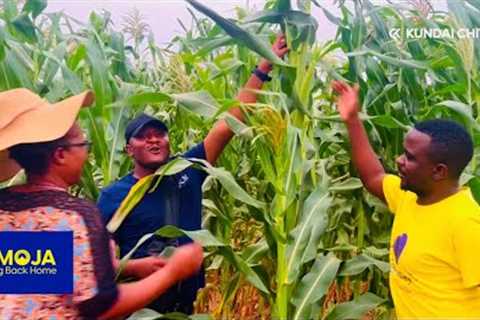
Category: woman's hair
[35,158]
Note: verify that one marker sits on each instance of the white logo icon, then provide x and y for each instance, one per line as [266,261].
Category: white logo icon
[182,181]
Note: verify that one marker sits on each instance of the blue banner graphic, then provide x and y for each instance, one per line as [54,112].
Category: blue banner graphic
[36,262]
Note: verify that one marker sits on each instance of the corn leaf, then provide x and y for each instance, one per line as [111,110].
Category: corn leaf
[314,215]
[149,314]
[355,309]
[35,7]
[266,16]
[15,71]
[474,185]
[314,285]
[211,44]
[141,187]
[244,268]
[238,127]
[293,164]
[358,264]
[462,109]
[239,34]
[99,70]
[133,197]
[2,44]
[146,98]
[388,121]
[255,252]
[228,182]
[10,10]
[127,257]
[200,102]
[203,237]
[402,63]
[283,5]
[24,26]
[351,183]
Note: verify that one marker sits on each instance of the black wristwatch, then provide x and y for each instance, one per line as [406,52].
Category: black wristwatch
[261,75]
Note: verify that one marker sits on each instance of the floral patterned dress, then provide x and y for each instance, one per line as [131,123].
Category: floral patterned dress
[95,290]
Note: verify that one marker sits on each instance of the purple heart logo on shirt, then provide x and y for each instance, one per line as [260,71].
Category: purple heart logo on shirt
[399,245]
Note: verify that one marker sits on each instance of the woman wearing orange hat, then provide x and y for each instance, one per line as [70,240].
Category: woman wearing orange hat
[45,141]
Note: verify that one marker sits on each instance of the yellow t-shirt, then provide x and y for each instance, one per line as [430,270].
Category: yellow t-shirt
[434,255]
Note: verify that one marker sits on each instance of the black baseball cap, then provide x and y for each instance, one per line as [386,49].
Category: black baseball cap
[138,123]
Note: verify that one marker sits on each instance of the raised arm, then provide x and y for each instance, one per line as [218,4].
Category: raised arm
[220,134]
[364,158]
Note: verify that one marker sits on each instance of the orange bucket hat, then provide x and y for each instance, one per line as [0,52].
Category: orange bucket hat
[27,118]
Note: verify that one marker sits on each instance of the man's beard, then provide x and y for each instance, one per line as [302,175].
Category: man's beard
[405,186]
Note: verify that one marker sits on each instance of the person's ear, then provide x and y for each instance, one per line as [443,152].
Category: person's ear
[440,172]
[59,156]
[128,149]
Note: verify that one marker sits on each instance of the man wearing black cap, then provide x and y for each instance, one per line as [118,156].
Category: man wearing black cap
[178,199]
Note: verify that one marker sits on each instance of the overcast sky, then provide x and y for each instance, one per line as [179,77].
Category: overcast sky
[162,15]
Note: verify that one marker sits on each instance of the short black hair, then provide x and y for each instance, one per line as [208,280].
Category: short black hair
[35,158]
[451,144]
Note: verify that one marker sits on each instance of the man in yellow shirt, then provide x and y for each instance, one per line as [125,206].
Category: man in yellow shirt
[435,241]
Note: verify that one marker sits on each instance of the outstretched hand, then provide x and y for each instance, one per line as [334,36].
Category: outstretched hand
[347,100]
[221,133]
[186,260]
[279,47]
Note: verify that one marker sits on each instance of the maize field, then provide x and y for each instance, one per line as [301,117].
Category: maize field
[288,229]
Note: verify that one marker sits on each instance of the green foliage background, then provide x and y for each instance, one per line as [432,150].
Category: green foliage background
[284,209]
